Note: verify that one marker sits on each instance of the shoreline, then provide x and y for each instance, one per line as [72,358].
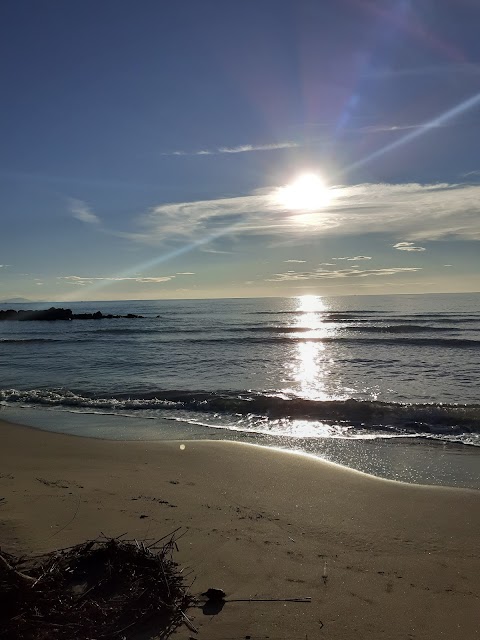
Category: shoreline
[243,442]
[402,560]
[415,460]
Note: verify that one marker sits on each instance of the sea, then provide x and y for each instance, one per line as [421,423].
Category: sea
[386,385]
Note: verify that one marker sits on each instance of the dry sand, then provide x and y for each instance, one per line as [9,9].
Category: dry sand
[403,561]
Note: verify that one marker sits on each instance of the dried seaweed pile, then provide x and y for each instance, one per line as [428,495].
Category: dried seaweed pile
[105,588]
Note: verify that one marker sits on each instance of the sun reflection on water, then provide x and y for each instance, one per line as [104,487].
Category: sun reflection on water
[310,304]
[311,364]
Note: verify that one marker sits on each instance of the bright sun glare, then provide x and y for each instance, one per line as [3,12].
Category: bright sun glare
[307,193]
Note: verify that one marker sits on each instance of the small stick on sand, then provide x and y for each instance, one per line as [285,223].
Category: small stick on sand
[271,600]
[188,622]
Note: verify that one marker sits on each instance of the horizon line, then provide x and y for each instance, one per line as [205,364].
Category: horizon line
[318,295]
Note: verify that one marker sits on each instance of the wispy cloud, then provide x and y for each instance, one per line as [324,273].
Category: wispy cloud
[88,280]
[185,273]
[392,128]
[407,246]
[260,147]
[317,274]
[296,261]
[410,212]
[475,172]
[311,142]
[81,211]
[220,251]
[464,68]
[244,148]
[354,258]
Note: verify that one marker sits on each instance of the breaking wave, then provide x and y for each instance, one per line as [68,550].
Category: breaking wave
[445,421]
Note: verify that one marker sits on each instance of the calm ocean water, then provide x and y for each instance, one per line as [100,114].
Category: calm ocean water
[302,369]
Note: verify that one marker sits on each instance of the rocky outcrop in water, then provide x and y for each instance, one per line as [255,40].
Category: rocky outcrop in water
[58,314]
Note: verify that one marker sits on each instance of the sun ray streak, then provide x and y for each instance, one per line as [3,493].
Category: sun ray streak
[439,121]
[149,264]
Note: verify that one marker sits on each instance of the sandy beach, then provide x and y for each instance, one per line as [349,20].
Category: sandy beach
[402,561]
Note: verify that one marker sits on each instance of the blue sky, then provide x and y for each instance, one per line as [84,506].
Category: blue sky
[145,145]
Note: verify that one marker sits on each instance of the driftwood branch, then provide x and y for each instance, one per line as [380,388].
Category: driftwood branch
[103,588]
[6,566]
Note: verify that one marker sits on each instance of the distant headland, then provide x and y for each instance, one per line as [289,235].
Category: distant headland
[57,314]
[17,301]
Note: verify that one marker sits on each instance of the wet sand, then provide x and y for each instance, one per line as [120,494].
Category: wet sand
[402,561]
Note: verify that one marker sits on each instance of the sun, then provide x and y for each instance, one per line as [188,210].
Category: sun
[307,193]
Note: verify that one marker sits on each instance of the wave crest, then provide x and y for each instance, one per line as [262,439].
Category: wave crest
[400,418]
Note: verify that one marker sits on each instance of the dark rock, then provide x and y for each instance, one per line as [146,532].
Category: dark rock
[57,314]
[44,314]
